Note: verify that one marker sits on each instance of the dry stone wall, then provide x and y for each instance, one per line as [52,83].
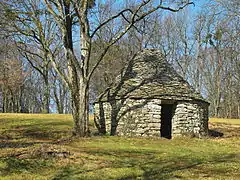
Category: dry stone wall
[190,118]
[143,117]
[135,117]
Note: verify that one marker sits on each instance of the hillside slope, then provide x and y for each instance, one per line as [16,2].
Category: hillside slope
[40,147]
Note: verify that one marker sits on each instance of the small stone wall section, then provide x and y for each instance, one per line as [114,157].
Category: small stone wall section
[191,119]
[135,117]
[143,117]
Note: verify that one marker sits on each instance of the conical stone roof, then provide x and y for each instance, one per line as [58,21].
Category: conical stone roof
[149,75]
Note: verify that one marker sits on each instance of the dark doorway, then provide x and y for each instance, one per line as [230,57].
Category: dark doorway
[166,120]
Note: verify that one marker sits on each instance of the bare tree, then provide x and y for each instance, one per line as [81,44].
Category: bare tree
[79,71]
[32,29]
[12,78]
[67,14]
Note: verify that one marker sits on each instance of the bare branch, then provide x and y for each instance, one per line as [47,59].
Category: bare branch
[31,63]
[64,78]
[131,24]
[164,8]
[110,19]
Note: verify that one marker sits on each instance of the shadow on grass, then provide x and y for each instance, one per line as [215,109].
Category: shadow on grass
[146,162]
[215,133]
[68,172]
[44,124]
[11,165]
[29,135]
[51,135]
[49,130]
[9,144]
[35,133]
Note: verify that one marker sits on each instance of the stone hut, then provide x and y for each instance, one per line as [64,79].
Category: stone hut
[150,99]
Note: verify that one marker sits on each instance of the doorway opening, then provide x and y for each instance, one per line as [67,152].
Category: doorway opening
[166,121]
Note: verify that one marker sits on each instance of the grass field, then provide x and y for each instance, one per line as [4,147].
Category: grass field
[40,147]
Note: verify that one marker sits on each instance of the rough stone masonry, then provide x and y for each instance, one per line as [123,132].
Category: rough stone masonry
[151,99]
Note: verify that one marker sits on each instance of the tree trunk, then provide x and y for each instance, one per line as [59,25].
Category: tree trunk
[59,107]
[46,94]
[238,111]
[4,101]
[114,113]
[58,100]
[80,110]
[81,123]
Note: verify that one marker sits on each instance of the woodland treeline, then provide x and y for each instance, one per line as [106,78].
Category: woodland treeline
[201,41]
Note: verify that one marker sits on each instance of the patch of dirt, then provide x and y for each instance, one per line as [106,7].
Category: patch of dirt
[48,151]
[44,151]
[13,144]
[5,137]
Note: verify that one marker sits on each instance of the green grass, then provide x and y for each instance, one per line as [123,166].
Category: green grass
[33,147]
